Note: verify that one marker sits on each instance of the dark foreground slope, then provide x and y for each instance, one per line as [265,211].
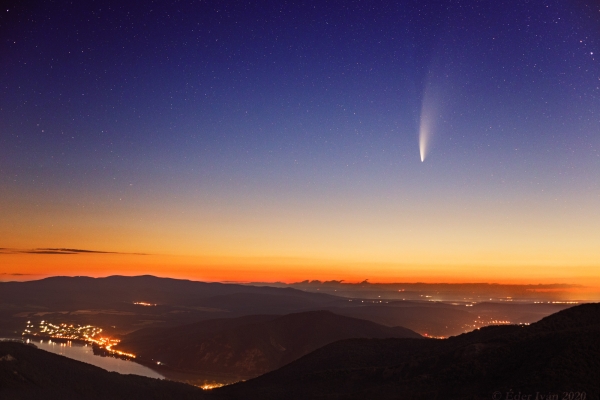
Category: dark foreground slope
[249,346]
[557,355]
[30,373]
[555,358]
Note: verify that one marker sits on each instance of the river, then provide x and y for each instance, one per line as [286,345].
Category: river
[84,353]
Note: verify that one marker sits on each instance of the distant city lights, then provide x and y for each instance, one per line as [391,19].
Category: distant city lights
[86,333]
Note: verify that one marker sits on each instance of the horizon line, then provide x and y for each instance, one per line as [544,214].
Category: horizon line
[39,277]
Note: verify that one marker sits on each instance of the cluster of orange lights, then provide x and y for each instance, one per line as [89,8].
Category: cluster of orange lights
[209,386]
[86,333]
[107,344]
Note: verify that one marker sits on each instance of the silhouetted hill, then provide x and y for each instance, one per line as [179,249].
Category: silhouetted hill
[557,355]
[30,373]
[109,302]
[249,346]
[96,292]
[582,316]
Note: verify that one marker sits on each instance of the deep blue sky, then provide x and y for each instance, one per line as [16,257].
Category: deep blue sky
[268,122]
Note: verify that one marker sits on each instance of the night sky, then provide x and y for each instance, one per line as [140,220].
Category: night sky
[280,140]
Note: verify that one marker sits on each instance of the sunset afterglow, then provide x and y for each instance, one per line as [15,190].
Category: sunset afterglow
[262,144]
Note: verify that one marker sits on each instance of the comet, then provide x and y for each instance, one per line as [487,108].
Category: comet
[427,121]
[424,134]
[425,127]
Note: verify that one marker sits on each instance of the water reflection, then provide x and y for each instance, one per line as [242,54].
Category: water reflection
[84,353]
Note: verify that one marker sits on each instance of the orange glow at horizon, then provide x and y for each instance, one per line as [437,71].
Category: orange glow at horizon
[18,267]
[291,239]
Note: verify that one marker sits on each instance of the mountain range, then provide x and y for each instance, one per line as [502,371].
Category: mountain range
[557,357]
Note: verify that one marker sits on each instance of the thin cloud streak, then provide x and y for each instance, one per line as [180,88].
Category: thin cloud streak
[63,251]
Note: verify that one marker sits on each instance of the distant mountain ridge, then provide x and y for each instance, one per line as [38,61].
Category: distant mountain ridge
[93,291]
[111,302]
